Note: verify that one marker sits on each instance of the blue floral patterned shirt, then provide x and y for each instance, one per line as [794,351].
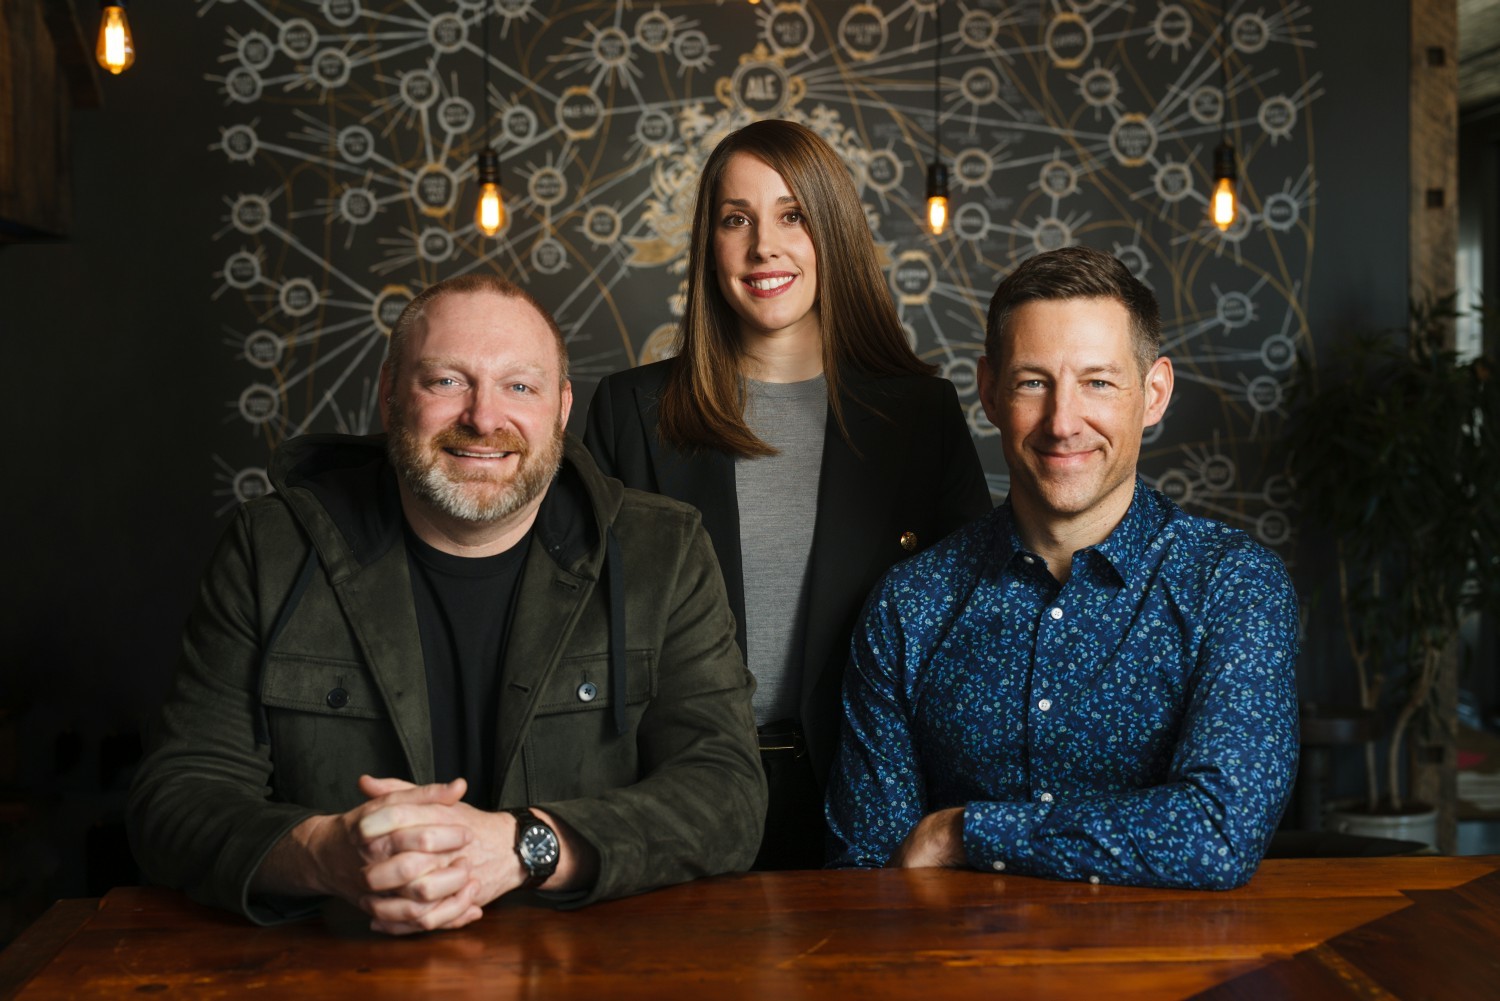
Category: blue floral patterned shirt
[1135,725]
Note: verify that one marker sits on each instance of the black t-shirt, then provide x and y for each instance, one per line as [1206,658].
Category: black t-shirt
[464,608]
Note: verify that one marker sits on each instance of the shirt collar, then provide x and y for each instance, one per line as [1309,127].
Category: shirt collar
[1124,549]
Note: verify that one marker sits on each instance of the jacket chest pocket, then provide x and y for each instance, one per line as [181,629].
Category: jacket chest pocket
[328,725]
[571,747]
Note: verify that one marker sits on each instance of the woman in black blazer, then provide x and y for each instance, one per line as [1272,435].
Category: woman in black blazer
[787,309]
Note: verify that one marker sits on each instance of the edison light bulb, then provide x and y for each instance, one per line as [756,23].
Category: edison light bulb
[1223,202]
[937,214]
[490,215]
[116,48]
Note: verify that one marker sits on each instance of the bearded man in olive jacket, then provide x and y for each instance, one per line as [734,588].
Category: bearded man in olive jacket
[414,637]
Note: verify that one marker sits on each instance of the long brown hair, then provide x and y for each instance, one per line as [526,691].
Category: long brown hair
[703,400]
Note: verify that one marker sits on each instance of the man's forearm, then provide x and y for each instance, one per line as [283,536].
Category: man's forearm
[291,868]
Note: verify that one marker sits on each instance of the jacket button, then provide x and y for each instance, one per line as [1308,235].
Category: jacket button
[909,541]
[587,692]
[337,699]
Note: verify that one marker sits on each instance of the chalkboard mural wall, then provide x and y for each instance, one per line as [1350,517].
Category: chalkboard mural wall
[272,179]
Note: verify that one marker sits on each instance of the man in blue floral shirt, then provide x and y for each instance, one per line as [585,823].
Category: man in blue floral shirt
[1088,684]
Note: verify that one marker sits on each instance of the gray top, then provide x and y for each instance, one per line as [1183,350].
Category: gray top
[778,500]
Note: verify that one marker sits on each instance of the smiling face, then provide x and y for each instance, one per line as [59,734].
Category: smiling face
[475,409]
[762,252]
[1069,399]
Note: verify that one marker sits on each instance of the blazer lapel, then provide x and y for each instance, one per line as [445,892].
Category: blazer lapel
[704,479]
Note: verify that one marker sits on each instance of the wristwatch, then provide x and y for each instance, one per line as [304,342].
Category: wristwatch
[536,846]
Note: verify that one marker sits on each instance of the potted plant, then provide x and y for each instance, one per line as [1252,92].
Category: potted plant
[1395,451]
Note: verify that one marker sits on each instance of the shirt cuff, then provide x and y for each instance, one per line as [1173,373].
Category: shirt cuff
[998,836]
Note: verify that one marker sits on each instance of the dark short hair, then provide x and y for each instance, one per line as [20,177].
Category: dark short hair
[1076,273]
[415,313]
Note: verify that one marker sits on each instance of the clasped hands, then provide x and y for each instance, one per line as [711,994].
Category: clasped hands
[414,858]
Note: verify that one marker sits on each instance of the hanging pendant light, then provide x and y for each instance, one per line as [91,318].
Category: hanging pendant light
[115,49]
[1223,203]
[489,214]
[937,172]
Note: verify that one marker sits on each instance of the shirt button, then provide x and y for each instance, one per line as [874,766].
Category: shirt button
[337,698]
[1046,797]
[1044,705]
[1056,613]
[587,691]
[1094,880]
[1029,559]
[997,865]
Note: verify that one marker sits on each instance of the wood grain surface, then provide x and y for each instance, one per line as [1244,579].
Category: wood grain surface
[1359,928]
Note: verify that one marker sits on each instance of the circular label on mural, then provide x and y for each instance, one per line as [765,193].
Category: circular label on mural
[978,29]
[341,13]
[660,344]
[1235,310]
[358,206]
[298,298]
[862,30]
[259,403]
[692,49]
[388,306]
[653,128]
[913,278]
[243,85]
[548,256]
[980,85]
[1172,26]
[297,38]
[1218,473]
[789,29]
[420,89]
[1051,234]
[250,484]
[601,224]
[654,31]
[1134,259]
[240,143]
[434,189]
[1277,116]
[1132,140]
[973,168]
[1206,105]
[1176,485]
[1099,88]
[1279,352]
[264,349]
[760,88]
[519,123]
[1273,528]
[612,48]
[250,214]
[1068,41]
[579,112]
[1058,179]
[456,114]
[1264,393]
[355,143]
[1173,181]
[241,270]
[1250,33]
[547,187]
[435,245]
[330,69]
[1281,212]
[447,33]
[884,170]
[255,50]
[971,221]
[964,374]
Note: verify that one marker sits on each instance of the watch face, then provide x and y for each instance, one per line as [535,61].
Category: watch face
[538,847]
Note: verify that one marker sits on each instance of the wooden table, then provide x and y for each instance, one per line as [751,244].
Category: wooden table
[1356,928]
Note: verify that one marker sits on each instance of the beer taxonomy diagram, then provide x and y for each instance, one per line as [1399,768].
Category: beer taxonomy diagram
[350,131]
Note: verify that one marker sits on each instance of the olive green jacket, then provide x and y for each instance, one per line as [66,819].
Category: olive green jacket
[251,742]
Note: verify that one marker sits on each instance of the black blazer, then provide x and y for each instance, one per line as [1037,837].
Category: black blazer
[915,471]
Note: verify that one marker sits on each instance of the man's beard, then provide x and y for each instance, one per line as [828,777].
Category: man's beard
[472,497]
